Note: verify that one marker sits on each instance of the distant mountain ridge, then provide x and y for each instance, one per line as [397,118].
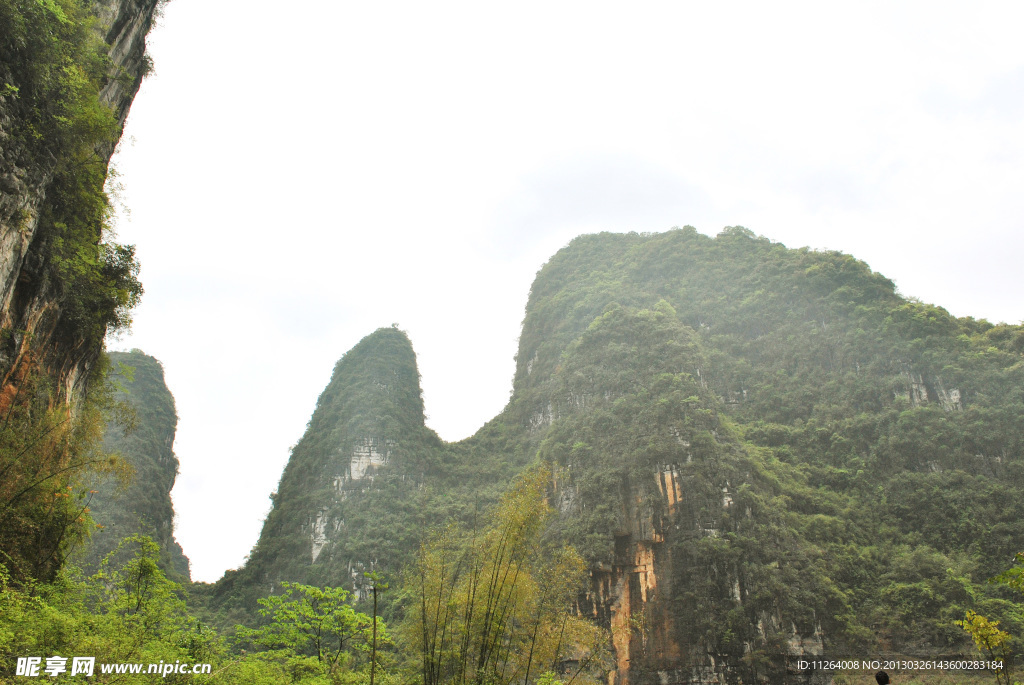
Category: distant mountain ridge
[761,452]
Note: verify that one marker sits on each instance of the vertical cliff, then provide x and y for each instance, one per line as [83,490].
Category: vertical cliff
[68,73]
[143,507]
[656,488]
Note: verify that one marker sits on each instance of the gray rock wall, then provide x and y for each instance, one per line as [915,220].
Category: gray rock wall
[29,309]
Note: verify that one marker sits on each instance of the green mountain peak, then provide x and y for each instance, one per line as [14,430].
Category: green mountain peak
[761,453]
[366,437]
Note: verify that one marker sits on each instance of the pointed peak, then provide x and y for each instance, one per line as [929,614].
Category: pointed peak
[378,377]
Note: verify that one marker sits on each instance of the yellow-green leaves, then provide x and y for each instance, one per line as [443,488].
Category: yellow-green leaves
[494,604]
[985,633]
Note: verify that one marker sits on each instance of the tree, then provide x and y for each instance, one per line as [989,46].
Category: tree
[495,606]
[46,451]
[996,644]
[127,612]
[992,642]
[312,621]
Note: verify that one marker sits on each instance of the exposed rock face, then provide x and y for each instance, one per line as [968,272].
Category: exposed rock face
[634,597]
[665,483]
[128,22]
[144,507]
[919,391]
[365,441]
[730,426]
[29,308]
[367,456]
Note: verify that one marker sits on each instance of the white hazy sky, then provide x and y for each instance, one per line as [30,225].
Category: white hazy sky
[300,174]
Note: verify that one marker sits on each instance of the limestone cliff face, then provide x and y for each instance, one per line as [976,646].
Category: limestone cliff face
[645,465]
[30,311]
[635,596]
[144,507]
[366,449]
[731,428]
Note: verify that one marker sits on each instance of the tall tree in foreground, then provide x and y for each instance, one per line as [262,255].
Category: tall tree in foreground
[495,604]
[308,621]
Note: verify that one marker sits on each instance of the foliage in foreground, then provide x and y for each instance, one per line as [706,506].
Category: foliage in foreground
[495,604]
[130,612]
[126,612]
[46,451]
[490,605]
[311,622]
[994,643]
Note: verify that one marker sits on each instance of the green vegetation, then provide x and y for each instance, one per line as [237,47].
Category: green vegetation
[373,398]
[306,622]
[993,643]
[54,66]
[624,439]
[494,605]
[752,450]
[845,463]
[46,452]
[782,448]
[367,514]
[128,611]
[142,506]
[880,498]
[75,285]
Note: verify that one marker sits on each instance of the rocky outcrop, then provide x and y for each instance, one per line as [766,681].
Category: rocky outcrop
[143,507]
[366,444]
[30,311]
[731,428]
[633,596]
[918,391]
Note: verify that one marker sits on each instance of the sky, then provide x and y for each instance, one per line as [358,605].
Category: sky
[295,176]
